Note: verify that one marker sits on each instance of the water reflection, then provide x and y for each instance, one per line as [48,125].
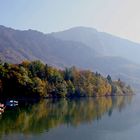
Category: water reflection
[47,114]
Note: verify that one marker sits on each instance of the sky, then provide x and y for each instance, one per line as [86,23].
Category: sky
[118,17]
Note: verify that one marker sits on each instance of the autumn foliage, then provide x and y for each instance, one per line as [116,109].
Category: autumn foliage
[34,79]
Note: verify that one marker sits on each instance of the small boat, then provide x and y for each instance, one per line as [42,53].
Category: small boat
[1,110]
[2,107]
[12,103]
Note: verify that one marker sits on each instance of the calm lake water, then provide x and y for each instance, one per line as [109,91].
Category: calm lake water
[116,118]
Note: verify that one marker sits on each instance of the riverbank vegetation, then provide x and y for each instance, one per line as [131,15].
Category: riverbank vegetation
[35,79]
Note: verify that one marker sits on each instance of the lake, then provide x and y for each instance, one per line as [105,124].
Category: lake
[105,118]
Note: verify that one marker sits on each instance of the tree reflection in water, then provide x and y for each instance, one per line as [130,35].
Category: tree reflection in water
[49,114]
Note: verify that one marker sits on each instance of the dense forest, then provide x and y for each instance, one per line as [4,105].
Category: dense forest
[35,80]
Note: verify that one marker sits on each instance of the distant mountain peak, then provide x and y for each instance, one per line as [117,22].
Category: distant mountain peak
[83,28]
[79,30]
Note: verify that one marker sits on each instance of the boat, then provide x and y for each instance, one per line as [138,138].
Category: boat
[1,110]
[2,107]
[12,103]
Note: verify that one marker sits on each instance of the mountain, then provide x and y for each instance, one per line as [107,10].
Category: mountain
[83,47]
[106,44]
[16,46]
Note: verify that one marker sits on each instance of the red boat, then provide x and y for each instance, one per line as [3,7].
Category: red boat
[1,108]
[1,105]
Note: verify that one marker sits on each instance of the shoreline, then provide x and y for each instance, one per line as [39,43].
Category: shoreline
[24,99]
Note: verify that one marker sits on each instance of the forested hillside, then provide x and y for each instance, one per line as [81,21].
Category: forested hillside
[84,48]
[35,80]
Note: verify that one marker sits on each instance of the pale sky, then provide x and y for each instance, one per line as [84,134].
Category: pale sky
[118,17]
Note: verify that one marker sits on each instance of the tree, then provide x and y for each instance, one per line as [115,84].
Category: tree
[109,79]
[39,87]
[70,89]
[67,74]
[37,69]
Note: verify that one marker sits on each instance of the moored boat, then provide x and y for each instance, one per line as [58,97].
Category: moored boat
[1,110]
[12,103]
[2,107]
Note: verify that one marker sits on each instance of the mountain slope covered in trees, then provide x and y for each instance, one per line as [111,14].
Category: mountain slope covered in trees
[84,50]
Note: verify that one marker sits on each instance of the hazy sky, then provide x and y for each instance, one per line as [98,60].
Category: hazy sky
[118,17]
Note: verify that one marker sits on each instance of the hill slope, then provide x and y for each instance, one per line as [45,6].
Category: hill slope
[59,50]
[106,44]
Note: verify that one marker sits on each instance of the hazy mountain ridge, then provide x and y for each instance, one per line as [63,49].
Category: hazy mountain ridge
[85,50]
[16,46]
[104,43]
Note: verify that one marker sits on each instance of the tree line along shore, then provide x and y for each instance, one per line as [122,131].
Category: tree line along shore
[34,79]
